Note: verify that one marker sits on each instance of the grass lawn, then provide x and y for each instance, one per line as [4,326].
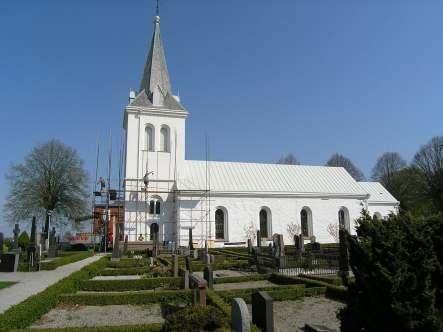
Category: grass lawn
[4,284]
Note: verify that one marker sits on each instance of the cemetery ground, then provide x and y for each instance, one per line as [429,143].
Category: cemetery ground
[189,292]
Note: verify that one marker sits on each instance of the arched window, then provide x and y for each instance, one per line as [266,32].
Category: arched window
[164,139]
[219,224]
[150,143]
[343,218]
[265,222]
[151,207]
[157,207]
[306,222]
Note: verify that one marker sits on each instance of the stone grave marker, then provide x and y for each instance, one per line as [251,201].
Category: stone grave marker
[316,246]
[262,311]
[343,256]
[258,239]
[191,244]
[185,281]
[195,251]
[208,275]
[52,251]
[188,263]
[32,245]
[125,246]
[175,265]
[9,262]
[301,243]
[240,321]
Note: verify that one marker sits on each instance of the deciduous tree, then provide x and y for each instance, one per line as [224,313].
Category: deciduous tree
[338,160]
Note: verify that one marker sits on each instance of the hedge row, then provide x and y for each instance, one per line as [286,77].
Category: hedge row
[289,292]
[129,285]
[141,297]
[120,328]
[336,281]
[128,263]
[128,271]
[334,292]
[28,311]
[254,277]
[59,261]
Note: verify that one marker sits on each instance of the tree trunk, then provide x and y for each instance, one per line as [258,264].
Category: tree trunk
[46,225]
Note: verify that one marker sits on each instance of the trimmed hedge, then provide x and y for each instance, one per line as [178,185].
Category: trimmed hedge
[128,271]
[334,292]
[141,297]
[129,285]
[128,263]
[59,261]
[290,292]
[28,311]
[254,277]
[336,281]
[155,327]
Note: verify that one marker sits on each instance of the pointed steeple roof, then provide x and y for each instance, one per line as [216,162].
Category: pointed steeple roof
[155,76]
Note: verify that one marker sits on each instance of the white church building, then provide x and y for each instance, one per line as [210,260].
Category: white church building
[224,202]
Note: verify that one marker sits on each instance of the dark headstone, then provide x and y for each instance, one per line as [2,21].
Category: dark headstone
[296,242]
[32,245]
[191,244]
[188,263]
[262,311]
[1,243]
[206,247]
[208,275]
[316,246]
[185,282]
[279,246]
[125,246]
[250,246]
[301,243]
[52,251]
[343,256]
[240,320]
[9,262]
[258,239]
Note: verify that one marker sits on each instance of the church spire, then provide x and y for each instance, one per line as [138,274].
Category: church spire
[155,79]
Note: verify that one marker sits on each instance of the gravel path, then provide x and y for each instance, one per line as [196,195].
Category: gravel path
[244,285]
[293,315]
[30,283]
[109,315]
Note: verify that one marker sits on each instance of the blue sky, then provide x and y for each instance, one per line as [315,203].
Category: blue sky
[260,78]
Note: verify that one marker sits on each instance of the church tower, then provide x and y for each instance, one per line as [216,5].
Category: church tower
[154,123]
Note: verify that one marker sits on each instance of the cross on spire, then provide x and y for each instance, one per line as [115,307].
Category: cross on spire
[157,10]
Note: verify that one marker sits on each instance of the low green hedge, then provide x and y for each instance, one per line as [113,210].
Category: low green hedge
[59,261]
[334,292]
[129,285]
[125,272]
[254,277]
[288,292]
[155,327]
[141,297]
[125,263]
[28,311]
[336,281]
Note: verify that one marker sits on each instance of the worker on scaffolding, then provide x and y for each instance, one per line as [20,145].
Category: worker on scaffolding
[146,179]
[102,184]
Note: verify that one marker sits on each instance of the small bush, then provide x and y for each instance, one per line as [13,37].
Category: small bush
[255,277]
[195,318]
[23,240]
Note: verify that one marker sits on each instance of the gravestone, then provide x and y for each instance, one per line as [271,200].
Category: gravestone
[9,262]
[16,232]
[258,239]
[185,281]
[188,263]
[316,246]
[262,311]
[1,243]
[52,251]
[343,256]
[32,245]
[279,246]
[206,247]
[125,246]
[42,238]
[191,244]
[301,243]
[195,251]
[38,256]
[296,242]
[250,246]
[240,321]
[175,265]
[208,275]
[116,248]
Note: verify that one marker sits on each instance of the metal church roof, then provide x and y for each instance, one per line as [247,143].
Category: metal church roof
[377,193]
[250,178]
